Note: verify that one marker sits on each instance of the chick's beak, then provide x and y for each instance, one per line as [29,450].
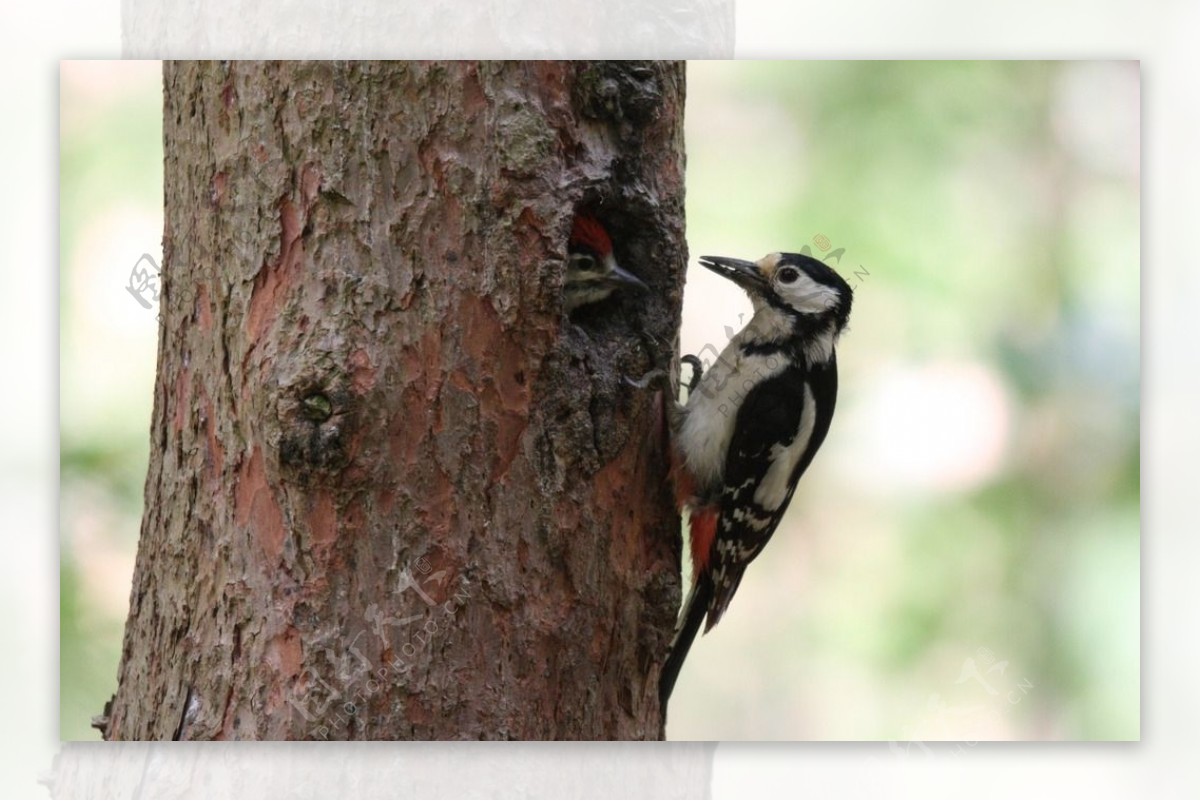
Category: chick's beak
[745,274]
[620,277]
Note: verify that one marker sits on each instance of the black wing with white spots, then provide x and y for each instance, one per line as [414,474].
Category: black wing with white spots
[799,400]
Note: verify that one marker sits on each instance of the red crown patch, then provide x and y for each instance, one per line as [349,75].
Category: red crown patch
[589,233]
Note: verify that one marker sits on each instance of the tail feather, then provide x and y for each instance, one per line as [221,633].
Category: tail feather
[693,616]
[725,584]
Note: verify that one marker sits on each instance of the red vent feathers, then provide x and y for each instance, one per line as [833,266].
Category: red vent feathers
[589,233]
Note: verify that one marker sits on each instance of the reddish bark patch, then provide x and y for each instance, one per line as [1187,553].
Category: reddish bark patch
[430,158]
[274,282]
[618,496]
[285,652]
[552,81]
[226,730]
[322,519]
[202,310]
[502,363]
[417,714]
[623,492]
[531,237]
[509,429]
[353,521]
[566,513]
[180,398]
[490,347]
[216,192]
[459,380]
[310,185]
[439,577]
[599,645]
[255,505]
[362,374]
[420,365]
[406,434]
[228,98]
[474,101]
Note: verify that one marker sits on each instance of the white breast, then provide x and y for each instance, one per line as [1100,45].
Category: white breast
[711,410]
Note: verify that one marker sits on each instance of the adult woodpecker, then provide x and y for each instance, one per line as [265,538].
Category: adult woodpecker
[751,426]
[592,271]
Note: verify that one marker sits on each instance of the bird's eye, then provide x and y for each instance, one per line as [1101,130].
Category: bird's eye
[788,275]
[582,261]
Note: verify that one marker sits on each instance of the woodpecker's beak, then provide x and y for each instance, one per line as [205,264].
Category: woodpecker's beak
[743,273]
[620,277]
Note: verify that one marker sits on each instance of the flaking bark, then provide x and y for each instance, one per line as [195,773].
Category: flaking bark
[392,492]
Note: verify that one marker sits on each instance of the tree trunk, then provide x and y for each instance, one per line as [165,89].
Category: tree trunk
[393,492]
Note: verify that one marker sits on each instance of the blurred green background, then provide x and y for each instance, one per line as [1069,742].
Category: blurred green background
[962,560]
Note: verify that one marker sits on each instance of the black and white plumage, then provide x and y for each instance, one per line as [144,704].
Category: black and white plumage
[752,425]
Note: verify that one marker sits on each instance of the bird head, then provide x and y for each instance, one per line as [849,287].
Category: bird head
[804,289]
[592,270]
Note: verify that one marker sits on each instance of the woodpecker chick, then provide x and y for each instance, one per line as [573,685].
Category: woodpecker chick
[593,274]
[751,427]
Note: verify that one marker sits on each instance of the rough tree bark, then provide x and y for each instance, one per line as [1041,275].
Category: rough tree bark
[393,493]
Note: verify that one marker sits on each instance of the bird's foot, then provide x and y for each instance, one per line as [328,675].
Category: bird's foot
[697,371]
[652,378]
